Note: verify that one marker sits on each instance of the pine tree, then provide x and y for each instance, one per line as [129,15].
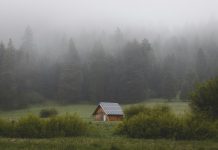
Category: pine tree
[188,85]
[169,87]
[201,65]
[70,81]
[97,73]
[137,66]
[8,86]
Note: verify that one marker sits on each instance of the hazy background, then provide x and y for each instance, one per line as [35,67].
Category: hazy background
[72,51]
[75,16]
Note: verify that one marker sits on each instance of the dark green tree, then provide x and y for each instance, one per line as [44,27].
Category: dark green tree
[169,86]
[188,85]
[8,86]
[201,65]
[204,99]
[70,80]
[136,69]
[98,73]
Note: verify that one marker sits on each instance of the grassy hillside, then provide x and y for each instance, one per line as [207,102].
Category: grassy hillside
[86,110]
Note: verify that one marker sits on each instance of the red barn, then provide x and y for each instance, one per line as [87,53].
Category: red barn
[108,112]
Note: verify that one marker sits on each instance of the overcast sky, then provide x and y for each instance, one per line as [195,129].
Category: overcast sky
[15,15]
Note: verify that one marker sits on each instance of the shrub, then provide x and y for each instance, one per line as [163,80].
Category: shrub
[29,127]
[135,110]
[195,127]
[45,113]
[35,127]
[160,122]
[204,99]
[66,126]
[150,126]
[156,110]
[6,128]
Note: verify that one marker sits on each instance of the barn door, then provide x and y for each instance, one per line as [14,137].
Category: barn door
[104,118]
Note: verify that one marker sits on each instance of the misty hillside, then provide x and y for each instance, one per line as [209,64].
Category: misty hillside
[89,51]
[106,66]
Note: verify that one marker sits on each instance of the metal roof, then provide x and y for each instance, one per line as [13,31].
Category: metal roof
[111,108]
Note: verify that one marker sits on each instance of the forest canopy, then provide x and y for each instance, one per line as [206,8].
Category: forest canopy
[104,67]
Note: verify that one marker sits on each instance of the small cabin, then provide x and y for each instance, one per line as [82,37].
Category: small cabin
[106,111]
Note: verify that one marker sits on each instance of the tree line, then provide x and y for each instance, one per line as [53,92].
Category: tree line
[133,72]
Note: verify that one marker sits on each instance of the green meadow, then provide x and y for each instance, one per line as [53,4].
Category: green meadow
[85,110]
[109,143]
[103,138]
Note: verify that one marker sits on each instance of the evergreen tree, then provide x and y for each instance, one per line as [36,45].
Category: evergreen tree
[27,44]
[188,85]
[169,84]
[28,69]
[8,86]
[201,65]
[136,64]
[70,81]
[97,73]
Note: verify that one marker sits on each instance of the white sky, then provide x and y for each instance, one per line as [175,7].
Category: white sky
[15,15]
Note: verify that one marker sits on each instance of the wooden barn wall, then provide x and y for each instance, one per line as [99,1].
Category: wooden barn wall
[114,117]
[99,114]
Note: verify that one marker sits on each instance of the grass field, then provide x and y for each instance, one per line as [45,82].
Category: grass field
[112,143]
[103,139]
[86,110]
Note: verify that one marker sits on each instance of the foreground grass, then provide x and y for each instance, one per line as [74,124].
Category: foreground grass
[113,143]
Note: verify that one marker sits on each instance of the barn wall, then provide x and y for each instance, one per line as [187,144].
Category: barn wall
[114,118]
[99,115]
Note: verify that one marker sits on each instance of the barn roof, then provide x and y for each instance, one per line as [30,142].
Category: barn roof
[110,108]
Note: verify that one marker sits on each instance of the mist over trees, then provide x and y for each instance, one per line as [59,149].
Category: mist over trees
[105,66]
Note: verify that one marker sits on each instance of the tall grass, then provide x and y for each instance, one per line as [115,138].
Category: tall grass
[35,127]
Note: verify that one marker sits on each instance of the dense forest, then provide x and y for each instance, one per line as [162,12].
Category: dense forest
[106,67]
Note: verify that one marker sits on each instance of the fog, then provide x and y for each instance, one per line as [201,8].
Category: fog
[71,51]
[74,16]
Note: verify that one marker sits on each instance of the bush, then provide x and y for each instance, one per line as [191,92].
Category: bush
[6,128]
[35,127]
[135,110]
[160,122]
[66,126]
[29,127]
[204,99]
[45,113]
[195,127]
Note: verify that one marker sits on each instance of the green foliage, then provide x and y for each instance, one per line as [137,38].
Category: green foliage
[160,122]
[66,126]
[156,122]
[45,113]
[6,128]
[35,127]
[32,97]
[70,79]
[30,127]
[169,82]
[196,127]
[204,99]
[135,110]
[187,86]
